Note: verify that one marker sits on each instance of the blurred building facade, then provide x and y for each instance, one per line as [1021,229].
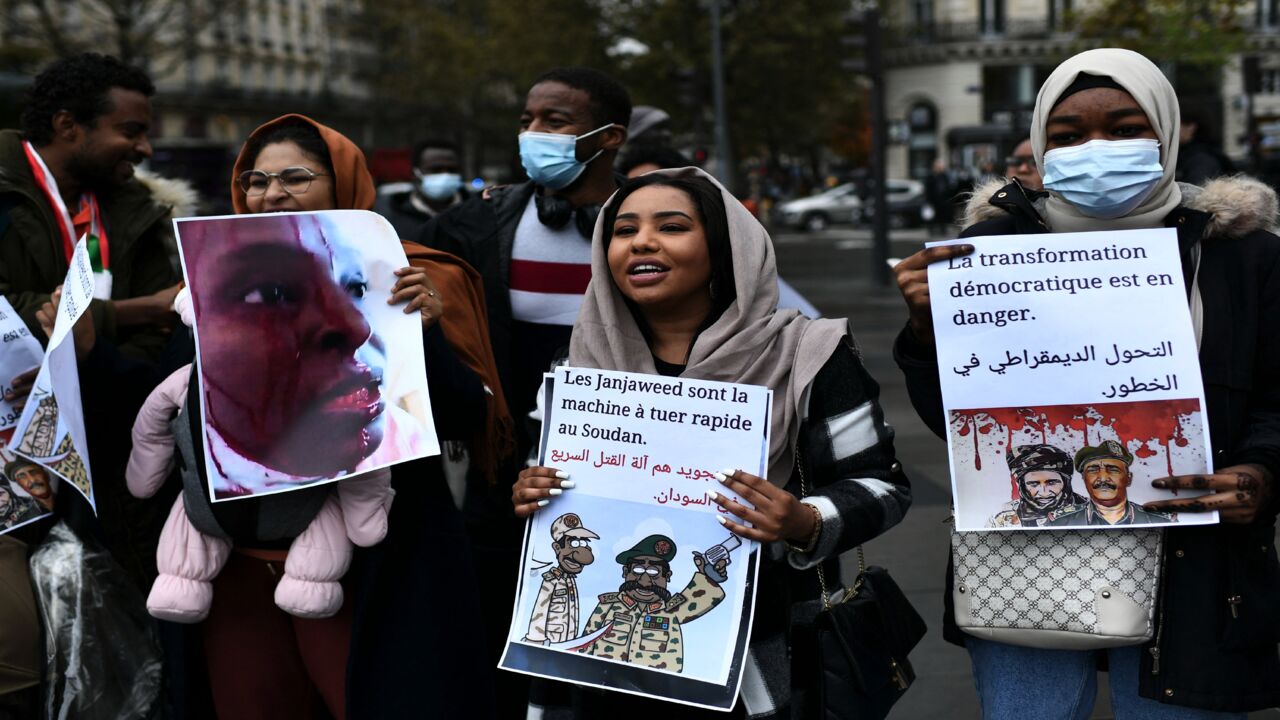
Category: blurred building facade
[962,77]
[221,67]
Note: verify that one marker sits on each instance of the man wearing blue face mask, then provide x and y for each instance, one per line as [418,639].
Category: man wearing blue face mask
[437,186]
[531,244]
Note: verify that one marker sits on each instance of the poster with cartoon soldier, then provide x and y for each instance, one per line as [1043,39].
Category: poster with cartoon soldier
[628,581]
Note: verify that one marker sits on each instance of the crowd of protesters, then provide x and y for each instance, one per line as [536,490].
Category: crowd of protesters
[421,617]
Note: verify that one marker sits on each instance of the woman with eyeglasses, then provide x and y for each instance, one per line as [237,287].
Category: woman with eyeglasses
[384,649]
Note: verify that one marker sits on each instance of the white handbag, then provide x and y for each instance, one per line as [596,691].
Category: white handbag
[1057,589]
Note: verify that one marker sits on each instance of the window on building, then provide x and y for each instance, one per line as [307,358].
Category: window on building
[991,16]
[1269,80]
[1060,14]
[1268,14]
[922,13]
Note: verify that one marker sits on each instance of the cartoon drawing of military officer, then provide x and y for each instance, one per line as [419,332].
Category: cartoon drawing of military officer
[555,613]
[646,618]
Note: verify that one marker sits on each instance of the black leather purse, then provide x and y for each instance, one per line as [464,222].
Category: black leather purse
[857,643]
[863,636]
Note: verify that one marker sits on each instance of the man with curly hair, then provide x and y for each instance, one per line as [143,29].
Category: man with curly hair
[69,174]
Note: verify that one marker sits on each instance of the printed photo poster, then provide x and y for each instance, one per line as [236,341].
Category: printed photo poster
[1070,377]
[628,582]
[26,490]
[50,432]
[307,374]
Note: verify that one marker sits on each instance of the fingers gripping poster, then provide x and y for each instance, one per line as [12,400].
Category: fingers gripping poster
[307,373]
[26,490]
[1071,380]
[628,582]
[51,430]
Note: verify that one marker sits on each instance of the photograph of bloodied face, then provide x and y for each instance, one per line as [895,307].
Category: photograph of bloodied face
[306,373]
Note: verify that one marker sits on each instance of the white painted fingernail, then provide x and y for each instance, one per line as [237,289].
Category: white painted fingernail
[724,479]
[543,503]
[562,474]
[729,471]
[718,496]
[566,484]
[554,491]
[721,519]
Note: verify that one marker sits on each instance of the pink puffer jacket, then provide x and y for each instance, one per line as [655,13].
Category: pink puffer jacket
[188,560]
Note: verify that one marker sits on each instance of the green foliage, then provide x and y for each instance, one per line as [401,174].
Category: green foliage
[1204,33]
[785,89]
[464,66]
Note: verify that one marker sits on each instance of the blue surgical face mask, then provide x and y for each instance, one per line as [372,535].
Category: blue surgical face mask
[440,186]
[551,159]
[1104,179]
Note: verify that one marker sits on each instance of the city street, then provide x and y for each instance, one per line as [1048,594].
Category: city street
[830,269]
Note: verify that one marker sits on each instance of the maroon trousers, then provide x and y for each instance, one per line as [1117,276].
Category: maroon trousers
[265,663]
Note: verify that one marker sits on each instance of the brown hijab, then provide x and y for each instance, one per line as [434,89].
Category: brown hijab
[465,321]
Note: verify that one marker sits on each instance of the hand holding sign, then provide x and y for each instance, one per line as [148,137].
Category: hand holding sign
[535,487]
[912,275]
[1241,491]
[82,331]
[776,515]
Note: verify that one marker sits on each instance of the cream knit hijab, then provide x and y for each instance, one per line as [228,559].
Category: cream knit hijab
[1144,81]
[752,342]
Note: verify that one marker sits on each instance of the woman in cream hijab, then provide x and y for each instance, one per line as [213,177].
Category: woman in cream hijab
[1105,135]
[684,283]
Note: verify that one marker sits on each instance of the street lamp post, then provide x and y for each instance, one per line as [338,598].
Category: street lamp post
[724,161]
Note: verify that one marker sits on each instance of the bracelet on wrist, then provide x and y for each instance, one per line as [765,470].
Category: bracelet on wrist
[812,542]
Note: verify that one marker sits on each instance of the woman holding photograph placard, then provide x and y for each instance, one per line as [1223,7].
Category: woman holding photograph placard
[366,650]
[684,283]
[1105,136]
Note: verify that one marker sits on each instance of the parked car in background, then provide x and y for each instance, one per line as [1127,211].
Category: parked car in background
[907,204]
[840,204]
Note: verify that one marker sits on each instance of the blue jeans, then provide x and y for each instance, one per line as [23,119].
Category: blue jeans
[1015,683]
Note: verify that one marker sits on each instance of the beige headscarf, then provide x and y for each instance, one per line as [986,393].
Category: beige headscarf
[753,342]
[1144,81]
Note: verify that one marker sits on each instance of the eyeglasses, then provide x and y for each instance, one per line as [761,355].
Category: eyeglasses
[294,180]
[1019,160]
[642,570]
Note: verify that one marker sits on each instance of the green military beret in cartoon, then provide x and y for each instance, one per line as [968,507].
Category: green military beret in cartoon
[659,546]
[1104,449]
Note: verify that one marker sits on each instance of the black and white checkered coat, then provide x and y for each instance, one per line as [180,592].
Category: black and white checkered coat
[854,481]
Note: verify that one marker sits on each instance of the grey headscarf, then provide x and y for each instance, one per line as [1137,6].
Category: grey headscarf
[752,342]
[1144,81]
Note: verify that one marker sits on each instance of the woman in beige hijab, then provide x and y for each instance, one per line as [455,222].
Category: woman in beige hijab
[1105,133]
[684,283]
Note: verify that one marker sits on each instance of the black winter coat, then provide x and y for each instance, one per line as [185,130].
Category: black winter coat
[1208,652]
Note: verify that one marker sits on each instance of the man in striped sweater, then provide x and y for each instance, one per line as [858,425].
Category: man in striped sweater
[531,243]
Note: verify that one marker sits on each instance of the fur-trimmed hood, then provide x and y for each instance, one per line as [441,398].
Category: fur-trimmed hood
[1239,204]
[173,193]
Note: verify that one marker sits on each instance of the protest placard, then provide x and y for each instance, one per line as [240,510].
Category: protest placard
[19,353]
[1070,377]
[307,374]
[51,429]
[628,582]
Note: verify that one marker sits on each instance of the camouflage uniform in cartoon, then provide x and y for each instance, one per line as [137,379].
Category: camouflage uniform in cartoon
[555,612]
[649,634]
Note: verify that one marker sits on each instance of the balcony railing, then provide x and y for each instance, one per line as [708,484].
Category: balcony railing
[943,32]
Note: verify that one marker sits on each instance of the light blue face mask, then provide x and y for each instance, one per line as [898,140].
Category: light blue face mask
[440,186]
[1104,179]
[551,159]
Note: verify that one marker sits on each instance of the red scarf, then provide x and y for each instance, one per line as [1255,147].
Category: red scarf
[95,235]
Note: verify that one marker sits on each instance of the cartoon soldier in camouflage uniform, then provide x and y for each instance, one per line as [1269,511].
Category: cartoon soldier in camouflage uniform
[555,613]
[646,618]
